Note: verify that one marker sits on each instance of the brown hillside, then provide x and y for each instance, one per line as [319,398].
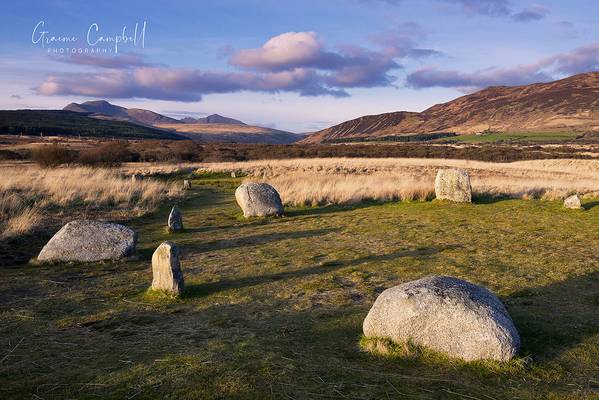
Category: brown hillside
[567,104]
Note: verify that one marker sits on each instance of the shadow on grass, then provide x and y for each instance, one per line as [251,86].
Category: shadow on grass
[554,318]
[487,198]
[204,289]
[590,205]
[254,240]
[332,208]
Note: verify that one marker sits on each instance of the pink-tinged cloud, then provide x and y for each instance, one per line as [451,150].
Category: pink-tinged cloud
[288,50]
[291,62]
[582,59]
[533,13]
[182,84]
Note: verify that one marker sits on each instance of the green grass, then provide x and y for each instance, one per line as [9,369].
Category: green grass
[274,307]
[518,137]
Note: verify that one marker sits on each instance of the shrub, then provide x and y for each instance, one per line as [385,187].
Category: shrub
[48,156]
[110,154]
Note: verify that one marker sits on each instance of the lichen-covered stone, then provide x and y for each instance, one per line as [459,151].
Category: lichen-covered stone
[454,185]
[166,269]
[258,200]
[445,314]
[573,202]
[175,220]
[88,241]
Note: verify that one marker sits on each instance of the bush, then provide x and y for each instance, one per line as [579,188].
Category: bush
[48,156]
[110,154]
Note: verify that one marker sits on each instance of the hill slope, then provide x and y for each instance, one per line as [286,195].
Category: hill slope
[213,128]
[212,119]
[104,110]
[232,133]
[69,123]
[567,104]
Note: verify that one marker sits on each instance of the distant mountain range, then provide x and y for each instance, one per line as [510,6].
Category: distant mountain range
[570,104]
[213,128]
[212,119]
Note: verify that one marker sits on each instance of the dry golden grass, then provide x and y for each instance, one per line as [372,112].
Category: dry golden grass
[28,194]
[349,180]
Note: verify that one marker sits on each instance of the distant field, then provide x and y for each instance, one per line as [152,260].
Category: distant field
[518,137]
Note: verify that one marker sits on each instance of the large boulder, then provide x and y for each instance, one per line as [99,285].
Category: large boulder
[258,200]
[454,185]
[175,220]
[88,241]
[445,314]
[166,269]
[573,202]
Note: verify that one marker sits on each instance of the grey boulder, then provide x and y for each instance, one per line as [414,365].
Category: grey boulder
[454,185]
[258,200]
[166,269]
[88,241]
[573,202]
[445,314]
[175,220]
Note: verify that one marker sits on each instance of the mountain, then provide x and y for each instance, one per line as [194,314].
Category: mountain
[212,119]
[213,128]
[102,109]
[567,104]
[75,123]
[232,133]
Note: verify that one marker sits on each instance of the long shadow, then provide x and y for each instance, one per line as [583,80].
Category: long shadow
[591,204]
[486,198]
[556,317]
[196,290]
[254,240]
[329,209]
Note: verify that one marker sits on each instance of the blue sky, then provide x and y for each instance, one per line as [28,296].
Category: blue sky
[299,66]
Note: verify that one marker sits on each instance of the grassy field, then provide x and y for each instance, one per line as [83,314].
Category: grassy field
[518,137]
[273,308]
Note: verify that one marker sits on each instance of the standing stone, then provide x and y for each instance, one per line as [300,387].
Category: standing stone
[573,202]
[454,185]
[186,184]
[89,241]
[233,174]
[445,314]
[258,200]
[175,220]
[166,269]
[136,177]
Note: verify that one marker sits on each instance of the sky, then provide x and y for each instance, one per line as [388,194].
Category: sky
[293,65]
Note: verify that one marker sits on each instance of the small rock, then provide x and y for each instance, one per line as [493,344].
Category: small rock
[175,220]
[233,174]
[166,269]
[88,241]
[186,184]
[445,314]
[258,200]
[573,202]
[454,185]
